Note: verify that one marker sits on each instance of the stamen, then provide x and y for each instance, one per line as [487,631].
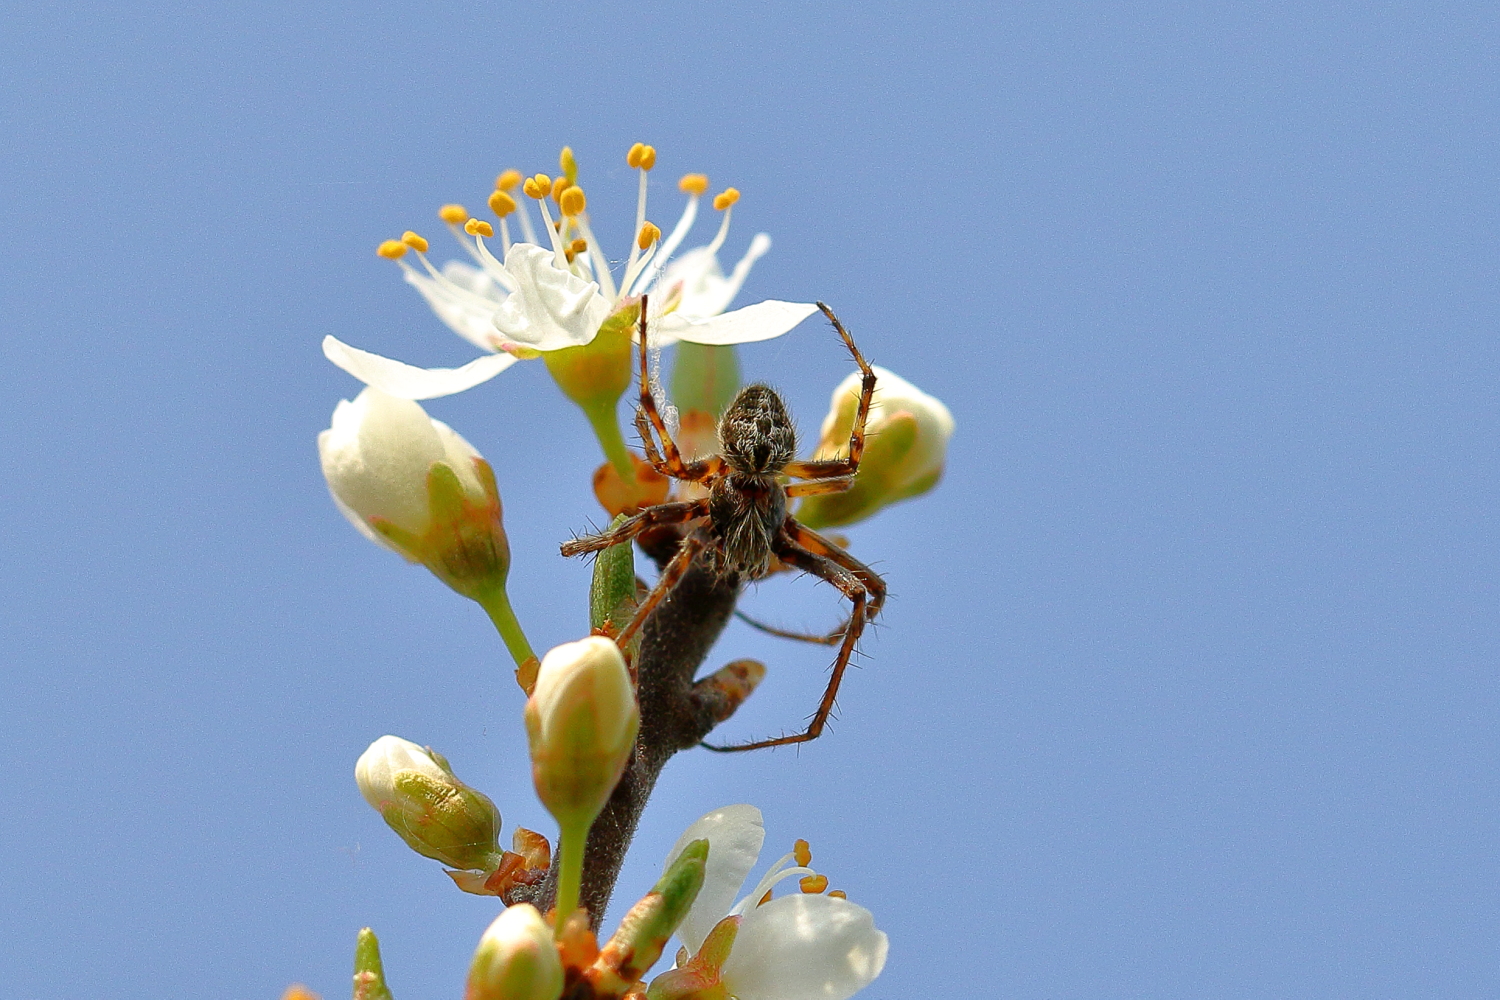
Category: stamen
[478,227]
[392,249]
[665,250]
[839,894]
[649,234]
[802,851]
[508,180]
[414,241]
[568,164]
[537,187]
[559,185]
[578,246]
[693,184]
[641,156]
[600,270]
[559,251]
[782,869]
[765,899]
[723,202]
[453,214]
[573,201]
[501,203]
[813,884]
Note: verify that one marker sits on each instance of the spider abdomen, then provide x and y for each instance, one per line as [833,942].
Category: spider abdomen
[756,431]
[746,511]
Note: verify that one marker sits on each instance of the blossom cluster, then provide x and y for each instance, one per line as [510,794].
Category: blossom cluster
[544,289]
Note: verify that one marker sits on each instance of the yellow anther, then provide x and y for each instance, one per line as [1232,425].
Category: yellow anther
[453,214]
[765,899]
[648,157]
[648,235]
[392,249]
[726,197]
[839,894]
[813,883]
[802,851]
[478,227]
[537,187]
[567,163]
[633,158]
[414,241]
[507,180]
[559,185]
[501,203]
[572,201]
[694,183]
[568,255]
[578,246]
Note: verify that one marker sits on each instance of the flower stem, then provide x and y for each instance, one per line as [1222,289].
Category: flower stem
[607,429]
[570,843]
[497,605]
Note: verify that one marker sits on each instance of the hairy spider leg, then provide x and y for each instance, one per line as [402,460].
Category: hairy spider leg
[819,545]
[693,544]
[825,569]
[652,517]
[848,466]
[813,542]
[648,417]
[815,487]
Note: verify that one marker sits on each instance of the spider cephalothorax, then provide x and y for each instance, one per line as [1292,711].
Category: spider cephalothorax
[743,526]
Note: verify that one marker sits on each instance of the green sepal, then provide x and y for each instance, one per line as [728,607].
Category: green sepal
[645,930]
[445,494]
[369,973]
[451,823]
[874,485]
[612,592]
[596,374]
[705,377]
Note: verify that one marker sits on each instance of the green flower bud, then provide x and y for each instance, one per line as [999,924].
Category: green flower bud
[418,796]
[644,931]
[906,443]
[369,973]
[581,721]
[516,959]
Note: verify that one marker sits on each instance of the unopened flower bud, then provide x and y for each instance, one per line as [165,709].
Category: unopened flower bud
[412,484]
[581,721]
[906,442]
[418,796]
[516,959]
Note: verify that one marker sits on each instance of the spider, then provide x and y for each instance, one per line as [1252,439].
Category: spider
[742,528]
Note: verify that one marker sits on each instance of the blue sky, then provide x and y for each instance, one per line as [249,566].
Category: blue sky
[1187,686]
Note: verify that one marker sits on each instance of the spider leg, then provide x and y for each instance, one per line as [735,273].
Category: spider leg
[821,545]
[829,639]
[652,517]
[853,588]
[693,544]
[814,487]
[668,461]
[849,465]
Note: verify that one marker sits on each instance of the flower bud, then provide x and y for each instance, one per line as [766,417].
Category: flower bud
[516,959]
[906,441]
[581,721]
[410,483]
[369,973]
[438,816]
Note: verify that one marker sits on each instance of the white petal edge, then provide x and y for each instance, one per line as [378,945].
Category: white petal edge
[805,947]
[762,321]
[404,381]
[735,835]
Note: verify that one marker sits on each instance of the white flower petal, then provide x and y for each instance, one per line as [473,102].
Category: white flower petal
[376,457]
[404,381]
[735,835]
[761,321]
[805,947]
[464,316]
[550,308]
